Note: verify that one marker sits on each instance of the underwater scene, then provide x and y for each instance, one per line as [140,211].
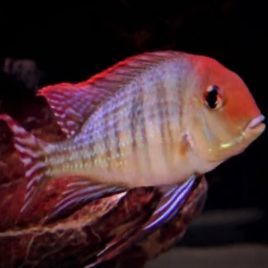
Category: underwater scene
[132,134]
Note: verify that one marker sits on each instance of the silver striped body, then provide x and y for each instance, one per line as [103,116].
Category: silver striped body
[134,137]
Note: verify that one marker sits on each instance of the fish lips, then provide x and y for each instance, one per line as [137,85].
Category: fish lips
[256,125]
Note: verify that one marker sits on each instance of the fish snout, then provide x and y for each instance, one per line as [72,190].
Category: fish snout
[256,125]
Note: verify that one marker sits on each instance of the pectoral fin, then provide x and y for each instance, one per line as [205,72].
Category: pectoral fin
[169,205]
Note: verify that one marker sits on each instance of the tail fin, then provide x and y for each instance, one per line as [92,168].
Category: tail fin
[31,152]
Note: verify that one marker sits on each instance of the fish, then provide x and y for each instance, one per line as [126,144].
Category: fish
[153,119]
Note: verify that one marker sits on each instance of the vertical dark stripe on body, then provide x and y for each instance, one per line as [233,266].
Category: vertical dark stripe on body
[181,104]
[137,121]
[167,122]
[161,102]
[91,146]
[107,141]
[135,111]
[164,116]
[117,139]
[142,123]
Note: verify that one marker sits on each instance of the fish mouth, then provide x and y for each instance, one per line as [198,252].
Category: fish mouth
[256,124]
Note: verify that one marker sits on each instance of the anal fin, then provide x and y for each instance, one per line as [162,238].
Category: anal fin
[79,193]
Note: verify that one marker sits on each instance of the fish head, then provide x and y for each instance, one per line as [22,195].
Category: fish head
[223,116]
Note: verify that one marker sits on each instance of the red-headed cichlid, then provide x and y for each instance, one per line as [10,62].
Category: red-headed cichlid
[153,119]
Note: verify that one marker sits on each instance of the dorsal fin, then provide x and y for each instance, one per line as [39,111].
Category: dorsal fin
[73,103]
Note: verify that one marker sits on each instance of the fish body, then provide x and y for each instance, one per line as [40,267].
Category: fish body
[134,138]
[151,120]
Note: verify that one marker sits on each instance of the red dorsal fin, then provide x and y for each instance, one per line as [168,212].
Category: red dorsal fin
[72,104]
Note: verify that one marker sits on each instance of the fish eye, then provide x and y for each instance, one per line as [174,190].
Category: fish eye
[213,97]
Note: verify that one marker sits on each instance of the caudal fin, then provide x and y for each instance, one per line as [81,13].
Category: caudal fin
[30,150]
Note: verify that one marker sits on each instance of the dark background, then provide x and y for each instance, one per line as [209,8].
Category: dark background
[73,41]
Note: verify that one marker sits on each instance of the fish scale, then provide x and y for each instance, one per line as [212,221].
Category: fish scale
[131,120]
[101,140]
